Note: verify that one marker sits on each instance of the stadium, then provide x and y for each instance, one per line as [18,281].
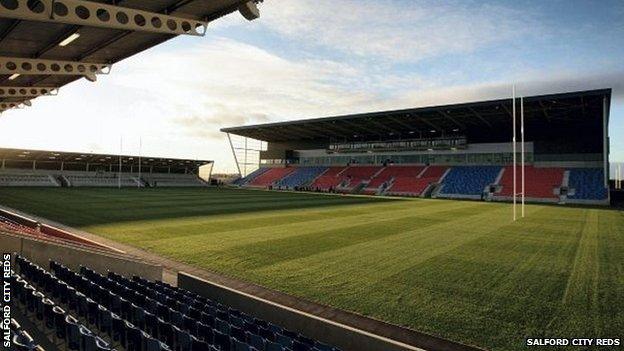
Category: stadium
[493,224]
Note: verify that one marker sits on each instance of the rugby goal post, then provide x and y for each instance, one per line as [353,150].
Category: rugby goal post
[515,155]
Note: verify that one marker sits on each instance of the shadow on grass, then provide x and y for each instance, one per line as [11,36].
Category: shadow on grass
[96,206]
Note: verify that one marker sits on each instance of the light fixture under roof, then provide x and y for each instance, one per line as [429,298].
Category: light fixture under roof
[456,130]
[69,39]
[432,131]
[12,77]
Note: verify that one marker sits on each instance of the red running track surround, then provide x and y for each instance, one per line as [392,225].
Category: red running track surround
[271,176]
[415,186]
[538,182]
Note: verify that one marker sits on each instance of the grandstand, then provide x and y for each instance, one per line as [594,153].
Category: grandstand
[460,151]
[34,168]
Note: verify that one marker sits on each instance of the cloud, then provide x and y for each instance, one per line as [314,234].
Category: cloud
[227,83]
[398,31]
[530,85]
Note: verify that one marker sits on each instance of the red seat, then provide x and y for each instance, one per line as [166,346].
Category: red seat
[271,176]
[392,172]
[329,179]
[406,184]
[538,182]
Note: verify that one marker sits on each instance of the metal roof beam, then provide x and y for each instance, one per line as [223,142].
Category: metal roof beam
[362,129]
[26,66]
[429,123]
[445,115]
[478,115]
[402,124]
[303,131]
[323,131]
[544,110]
[87,13]
[12,92]
[338,128]
[9,29]
[14,105]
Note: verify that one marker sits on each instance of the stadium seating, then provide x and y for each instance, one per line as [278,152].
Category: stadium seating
[94,179]
[389,173]
[271,176]
[26,179]
[354,175]
[251,176]
[328,180]
[300,177]
[540,183]
[135,313]
[468,180]
[20,338]
[172,180]
[408,185]
[46,301]
[587,184]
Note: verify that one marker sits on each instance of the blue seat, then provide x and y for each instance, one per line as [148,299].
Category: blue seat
[223,326]
[238,345]
[301,176]
[256,341]
[87,340]
[72,340]
[22,341]
[238,333]
[588,184]
[469,180]
[182,340]
[60,325]
[221,340]
[152,344]
[272,346]
[205,332]
[284,340]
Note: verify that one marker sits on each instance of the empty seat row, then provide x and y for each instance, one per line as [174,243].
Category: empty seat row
[36,302]
[251,176]
[180,319]
[20,338]
[12,179]
[271,176]
[469,180]
[300,177]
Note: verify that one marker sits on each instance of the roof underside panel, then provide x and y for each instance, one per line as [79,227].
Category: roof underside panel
[31,39]
[478,118]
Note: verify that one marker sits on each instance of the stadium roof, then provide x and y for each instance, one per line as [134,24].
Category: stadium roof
[473,118]
[40,156]
[50,43]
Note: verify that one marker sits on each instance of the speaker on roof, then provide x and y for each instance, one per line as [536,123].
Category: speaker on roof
[249,10]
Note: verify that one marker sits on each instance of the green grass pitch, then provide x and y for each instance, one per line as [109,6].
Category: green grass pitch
[458,269]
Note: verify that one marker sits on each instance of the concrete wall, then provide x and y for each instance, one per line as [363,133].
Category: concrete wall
[324,330]
[41,252]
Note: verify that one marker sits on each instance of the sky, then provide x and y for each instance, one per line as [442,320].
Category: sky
[304,59]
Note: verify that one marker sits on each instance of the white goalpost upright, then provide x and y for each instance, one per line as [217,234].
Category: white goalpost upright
[522,148]
[515,157]
[513,141]
[140,147]
[120,152]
